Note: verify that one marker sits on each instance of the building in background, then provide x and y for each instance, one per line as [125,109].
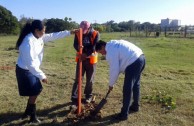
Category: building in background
[170,23]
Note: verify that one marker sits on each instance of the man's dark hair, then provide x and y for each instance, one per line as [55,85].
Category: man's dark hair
[100,44]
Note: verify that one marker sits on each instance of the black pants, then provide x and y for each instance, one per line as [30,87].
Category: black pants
[90,70]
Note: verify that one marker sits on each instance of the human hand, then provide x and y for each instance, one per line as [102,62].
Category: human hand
[110,88]
[83,56]
[45,80]
[79,47]
[74,31]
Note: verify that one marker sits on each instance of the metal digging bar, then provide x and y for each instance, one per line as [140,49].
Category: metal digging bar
[100,105]
[80,72]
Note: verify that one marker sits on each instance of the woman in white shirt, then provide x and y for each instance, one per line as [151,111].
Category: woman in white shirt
[28,73]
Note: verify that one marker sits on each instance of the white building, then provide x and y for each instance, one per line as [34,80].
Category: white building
[170,23]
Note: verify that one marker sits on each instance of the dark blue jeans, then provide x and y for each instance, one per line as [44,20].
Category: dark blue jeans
[131,85]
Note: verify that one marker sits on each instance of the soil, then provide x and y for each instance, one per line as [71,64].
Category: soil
[86,114]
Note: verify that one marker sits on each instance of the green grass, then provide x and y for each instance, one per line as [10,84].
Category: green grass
[169,69]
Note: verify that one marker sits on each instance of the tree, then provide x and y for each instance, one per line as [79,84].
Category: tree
[108,26]
[146,26]
[131,26]
[54,25]
[66,19]
[98,27]
[123,25]
[115,27]
[137,28]
[8,23]
[23,20]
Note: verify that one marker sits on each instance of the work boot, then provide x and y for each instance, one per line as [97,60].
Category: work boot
[33,116]
[74,101]
[133,108]
[27,112]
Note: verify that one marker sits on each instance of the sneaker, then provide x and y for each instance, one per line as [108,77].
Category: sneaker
[89,99]
[120,117]
[73,107]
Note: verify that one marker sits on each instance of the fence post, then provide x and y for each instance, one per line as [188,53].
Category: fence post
[185,34]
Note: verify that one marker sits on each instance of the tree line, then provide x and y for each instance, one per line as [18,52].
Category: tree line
[9,24]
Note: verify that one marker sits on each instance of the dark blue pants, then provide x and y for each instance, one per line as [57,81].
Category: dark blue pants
[131,85]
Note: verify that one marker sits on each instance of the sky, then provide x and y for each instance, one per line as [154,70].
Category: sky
[101,11]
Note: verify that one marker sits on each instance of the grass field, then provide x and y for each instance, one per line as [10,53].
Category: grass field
[169,73]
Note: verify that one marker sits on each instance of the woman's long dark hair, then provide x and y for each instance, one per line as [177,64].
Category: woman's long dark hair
[28,28]
[25,30]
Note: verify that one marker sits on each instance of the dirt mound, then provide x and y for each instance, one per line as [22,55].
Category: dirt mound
[86,113]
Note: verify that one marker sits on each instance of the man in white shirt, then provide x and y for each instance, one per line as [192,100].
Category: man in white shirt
[124,57]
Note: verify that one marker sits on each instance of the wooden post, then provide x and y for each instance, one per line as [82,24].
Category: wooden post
[185,33]
[80,73]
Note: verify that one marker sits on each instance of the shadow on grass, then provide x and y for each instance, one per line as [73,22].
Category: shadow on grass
[9,119]
[108,120]
[15,118]
[104,121]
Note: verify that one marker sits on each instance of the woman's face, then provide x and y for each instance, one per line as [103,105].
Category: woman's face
[40,33]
